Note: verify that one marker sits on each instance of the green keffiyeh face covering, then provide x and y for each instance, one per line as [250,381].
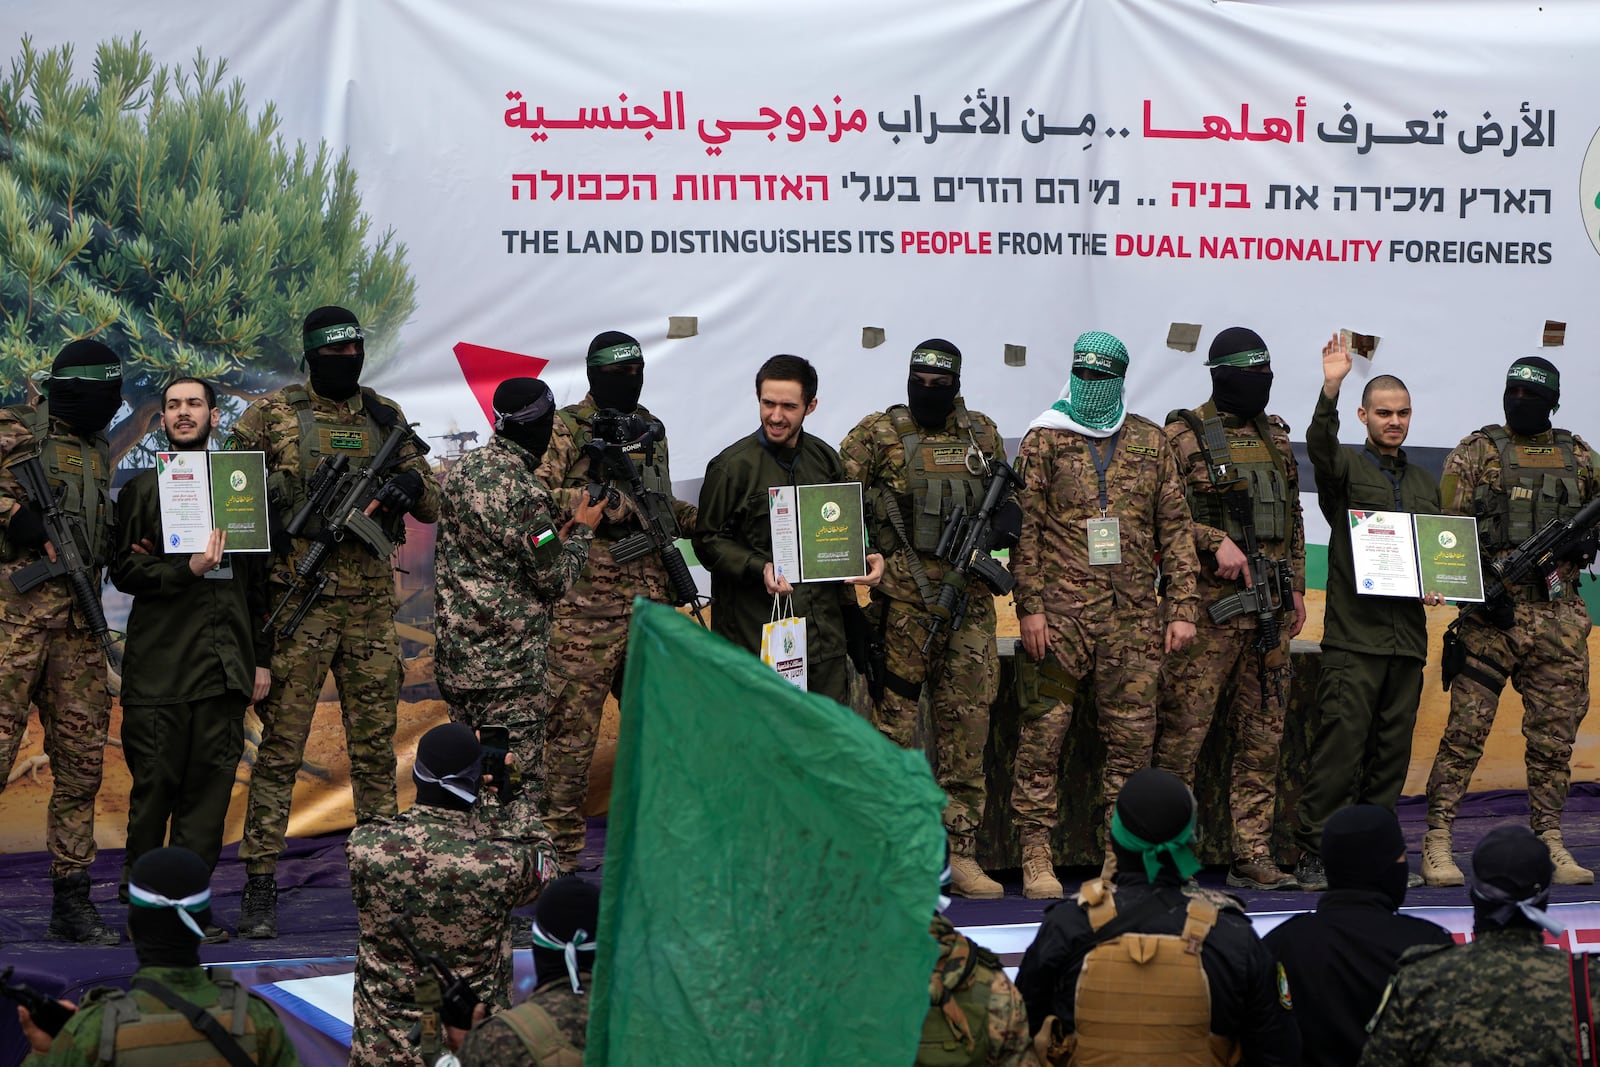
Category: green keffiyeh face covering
[1096,402]
[1183,857]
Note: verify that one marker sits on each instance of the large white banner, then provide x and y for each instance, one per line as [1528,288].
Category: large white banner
[768,177]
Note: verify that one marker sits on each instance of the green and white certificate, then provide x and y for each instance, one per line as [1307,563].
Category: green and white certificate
[1447,557]
[819,532]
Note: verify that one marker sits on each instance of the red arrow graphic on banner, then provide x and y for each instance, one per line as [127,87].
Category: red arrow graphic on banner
[485,368]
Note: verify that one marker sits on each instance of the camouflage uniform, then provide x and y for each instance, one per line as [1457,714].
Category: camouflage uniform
[590,636]
[1103,619]
[966,666]
[78,1044]
[1223,657]
[453,878]
[1545,653]
[496,1043]
[350,629]
[499,569]
[45,654]
[1008,1043]
[1503,998]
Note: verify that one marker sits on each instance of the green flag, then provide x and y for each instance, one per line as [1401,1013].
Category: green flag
[771,866]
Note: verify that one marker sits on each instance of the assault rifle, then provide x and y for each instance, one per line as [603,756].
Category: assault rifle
[1270,588]
[1539,556]
[965,544]
[1270,583]
[48,1014]
[83,580]
[458,999]
[616,437]
[352,514]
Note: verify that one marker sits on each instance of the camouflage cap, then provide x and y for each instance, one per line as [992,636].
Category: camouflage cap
[1101,352]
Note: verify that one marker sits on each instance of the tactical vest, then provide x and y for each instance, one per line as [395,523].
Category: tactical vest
[654,475]
[82,488]
[1538,484]
[960,990]
[1265,475]
[1144,998]
[937,478]
[130,1037]
[546,1043]
[321,435]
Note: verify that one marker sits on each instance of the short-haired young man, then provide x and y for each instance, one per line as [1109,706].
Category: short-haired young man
[733,535]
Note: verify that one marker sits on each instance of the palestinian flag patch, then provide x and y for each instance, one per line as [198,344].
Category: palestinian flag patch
[542,538]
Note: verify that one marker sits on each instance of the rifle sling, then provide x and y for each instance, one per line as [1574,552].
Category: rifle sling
[200,1019]
[919,573]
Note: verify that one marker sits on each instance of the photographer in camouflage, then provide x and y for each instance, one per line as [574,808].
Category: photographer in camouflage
[591,622]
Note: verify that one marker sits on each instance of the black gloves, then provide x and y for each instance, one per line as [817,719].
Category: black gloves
[401,493]
[26,529]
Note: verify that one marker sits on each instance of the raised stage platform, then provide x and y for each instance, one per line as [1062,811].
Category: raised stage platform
[317,920]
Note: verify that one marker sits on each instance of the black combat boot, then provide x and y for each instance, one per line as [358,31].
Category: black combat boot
[72,914]
[258,911]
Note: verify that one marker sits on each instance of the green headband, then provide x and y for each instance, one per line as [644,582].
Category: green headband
[1100,351]
[1183,857]
[94,372]
[934,360]
[1253,357]
[1522,372]
[623,353]
[333,335]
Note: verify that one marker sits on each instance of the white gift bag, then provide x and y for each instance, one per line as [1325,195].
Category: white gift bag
[783,642]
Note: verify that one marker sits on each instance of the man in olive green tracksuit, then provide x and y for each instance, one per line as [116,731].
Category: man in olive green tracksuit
[1373,647]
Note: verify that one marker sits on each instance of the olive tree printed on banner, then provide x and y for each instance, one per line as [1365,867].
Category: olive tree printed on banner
[143,206]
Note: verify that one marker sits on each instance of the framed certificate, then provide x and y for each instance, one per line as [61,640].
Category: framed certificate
[819,532]
[204,491]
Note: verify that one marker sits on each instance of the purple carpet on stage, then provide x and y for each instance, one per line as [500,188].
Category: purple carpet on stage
[317,921]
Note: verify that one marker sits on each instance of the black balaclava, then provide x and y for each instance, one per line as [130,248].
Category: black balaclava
[169,907]
[1510,884]
[335,377]
[1527,416]
[564,923]
[1238,388]
[615,392]
[1154,807]
[931,405]
[525,412]
[449,767]
[1362,848]
[85,388]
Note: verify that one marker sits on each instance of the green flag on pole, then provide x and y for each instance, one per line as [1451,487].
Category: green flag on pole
[772,862]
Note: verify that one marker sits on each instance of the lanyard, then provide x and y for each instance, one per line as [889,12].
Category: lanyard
[1101,465]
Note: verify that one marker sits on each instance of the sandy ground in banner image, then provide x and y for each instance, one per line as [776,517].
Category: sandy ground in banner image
[322,793]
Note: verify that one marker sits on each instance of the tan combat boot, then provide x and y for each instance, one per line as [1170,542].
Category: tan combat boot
[968,880]
[1039,881]
[1438,865]
[1567,870]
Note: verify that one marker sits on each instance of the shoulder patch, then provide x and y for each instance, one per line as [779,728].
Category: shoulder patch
[1285,1001]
